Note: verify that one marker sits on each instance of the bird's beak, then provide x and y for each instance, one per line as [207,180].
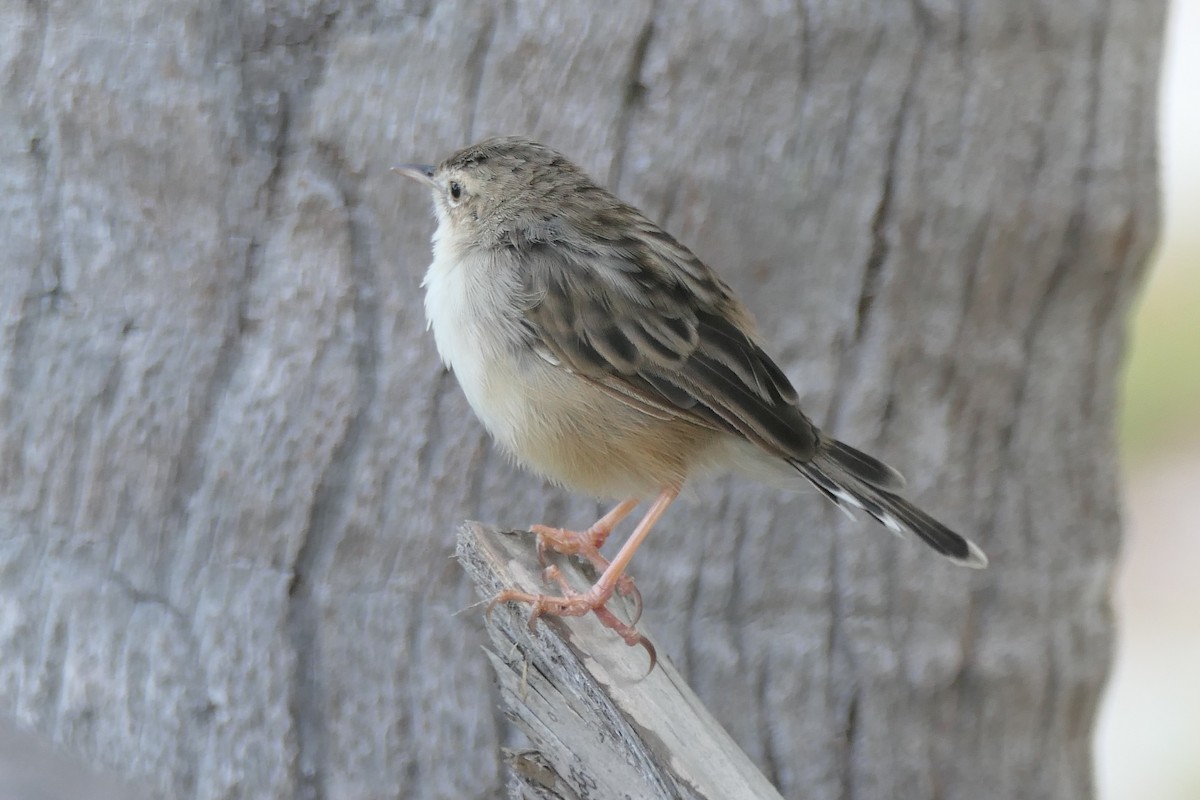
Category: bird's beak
[422,173]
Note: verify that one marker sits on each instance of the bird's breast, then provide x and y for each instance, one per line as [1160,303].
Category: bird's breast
[547,417]
[472,310]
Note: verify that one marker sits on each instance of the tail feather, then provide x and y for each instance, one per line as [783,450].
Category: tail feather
[862,466]
[855,480]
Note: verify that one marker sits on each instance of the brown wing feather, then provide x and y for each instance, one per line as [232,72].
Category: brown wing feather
[667,341]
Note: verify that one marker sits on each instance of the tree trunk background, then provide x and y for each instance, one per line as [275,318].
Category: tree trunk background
[231,467]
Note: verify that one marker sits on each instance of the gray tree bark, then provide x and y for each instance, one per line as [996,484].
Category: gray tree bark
[231,469]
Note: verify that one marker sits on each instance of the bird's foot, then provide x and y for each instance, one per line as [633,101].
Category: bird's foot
[575,604]
[585,545]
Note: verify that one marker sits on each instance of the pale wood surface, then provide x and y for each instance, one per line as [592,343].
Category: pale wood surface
[230,465]
[601,724]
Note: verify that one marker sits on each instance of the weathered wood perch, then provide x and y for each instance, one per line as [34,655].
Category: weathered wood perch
[598,725]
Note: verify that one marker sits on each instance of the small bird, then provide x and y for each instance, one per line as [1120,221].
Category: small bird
[599,352]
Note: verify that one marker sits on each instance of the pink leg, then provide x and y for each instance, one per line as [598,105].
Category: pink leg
[625,630]
[574,604]
[587,545]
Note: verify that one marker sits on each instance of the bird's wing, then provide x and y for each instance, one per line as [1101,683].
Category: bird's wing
[643,318]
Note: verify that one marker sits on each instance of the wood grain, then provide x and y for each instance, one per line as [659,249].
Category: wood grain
[600,724]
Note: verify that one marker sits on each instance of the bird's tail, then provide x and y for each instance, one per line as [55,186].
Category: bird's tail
[853,479]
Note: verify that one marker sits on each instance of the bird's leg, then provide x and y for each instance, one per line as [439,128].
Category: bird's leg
[625,630]
[587,544]
[575,604]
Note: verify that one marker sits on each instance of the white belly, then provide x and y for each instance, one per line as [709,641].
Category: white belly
[547,418]
[465,302]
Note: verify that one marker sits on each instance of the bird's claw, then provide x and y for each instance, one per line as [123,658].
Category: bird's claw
[584,545]
[576,604]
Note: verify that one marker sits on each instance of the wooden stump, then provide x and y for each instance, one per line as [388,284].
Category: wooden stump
[600,727]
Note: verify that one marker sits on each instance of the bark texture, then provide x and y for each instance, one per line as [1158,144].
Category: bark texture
[230,468]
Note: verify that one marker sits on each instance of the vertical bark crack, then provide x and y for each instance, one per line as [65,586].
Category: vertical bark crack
[632,98]
[852,735]
[328,512]
[47,271]
[880,246]
[1072,238]
[771,759]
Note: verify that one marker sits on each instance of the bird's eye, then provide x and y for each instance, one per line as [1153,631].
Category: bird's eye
[456,190]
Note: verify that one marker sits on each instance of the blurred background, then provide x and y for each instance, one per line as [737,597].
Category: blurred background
[1148,742]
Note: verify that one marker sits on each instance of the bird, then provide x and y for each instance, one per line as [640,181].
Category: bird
[600,353]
